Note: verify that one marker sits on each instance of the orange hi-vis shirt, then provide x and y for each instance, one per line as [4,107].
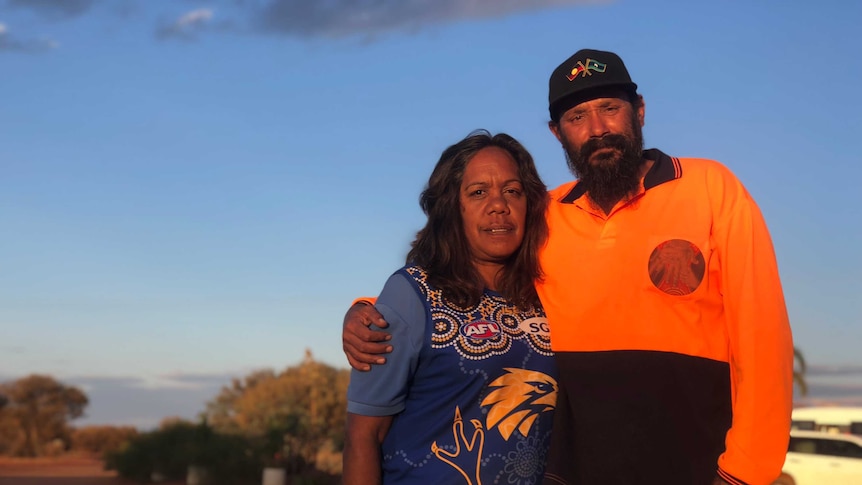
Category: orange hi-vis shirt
[671,334]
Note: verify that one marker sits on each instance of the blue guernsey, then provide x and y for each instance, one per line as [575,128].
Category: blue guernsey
[472,390]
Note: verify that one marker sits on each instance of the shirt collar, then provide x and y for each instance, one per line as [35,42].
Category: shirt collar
[664,169]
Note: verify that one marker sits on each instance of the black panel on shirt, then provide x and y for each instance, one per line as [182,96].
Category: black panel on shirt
[638,418]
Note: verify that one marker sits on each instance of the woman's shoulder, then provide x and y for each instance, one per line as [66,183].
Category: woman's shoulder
[414,272]
[410,277]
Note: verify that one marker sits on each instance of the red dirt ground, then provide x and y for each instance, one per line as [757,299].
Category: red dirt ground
[59,471]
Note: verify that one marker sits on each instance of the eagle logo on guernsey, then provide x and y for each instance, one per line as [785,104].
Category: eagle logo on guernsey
[480,330]
[518,397]
[516,400]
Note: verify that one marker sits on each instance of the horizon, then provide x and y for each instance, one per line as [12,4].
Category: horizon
[193,191]
[186,396]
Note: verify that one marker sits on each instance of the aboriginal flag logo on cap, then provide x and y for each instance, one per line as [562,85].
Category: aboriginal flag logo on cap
[583,68]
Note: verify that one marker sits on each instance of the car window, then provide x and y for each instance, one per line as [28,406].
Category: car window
[802,445]
[839,448]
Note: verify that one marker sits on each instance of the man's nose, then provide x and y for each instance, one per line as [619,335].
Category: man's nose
[597,125]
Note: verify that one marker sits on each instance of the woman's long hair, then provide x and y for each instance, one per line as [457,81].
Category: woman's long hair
[441,247]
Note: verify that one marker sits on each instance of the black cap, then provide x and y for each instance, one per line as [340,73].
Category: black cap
[581,75]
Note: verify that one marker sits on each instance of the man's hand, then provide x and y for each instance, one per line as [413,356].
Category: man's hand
[360,343]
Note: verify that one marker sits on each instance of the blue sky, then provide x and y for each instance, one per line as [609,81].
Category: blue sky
[192,190]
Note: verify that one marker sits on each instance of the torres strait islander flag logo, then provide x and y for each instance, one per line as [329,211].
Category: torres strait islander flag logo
[480,329]
[584,68]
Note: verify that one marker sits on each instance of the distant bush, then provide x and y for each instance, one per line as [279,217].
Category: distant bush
[329,459]
[169,452]
[100,440]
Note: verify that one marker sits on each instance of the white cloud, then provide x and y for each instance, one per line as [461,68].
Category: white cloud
[144,402]
[187,24]
[190,382]
[13,43]
[295,18]
[335,18]
[54,9]
[198,16]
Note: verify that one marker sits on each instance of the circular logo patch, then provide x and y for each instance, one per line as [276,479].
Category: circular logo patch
[676,267]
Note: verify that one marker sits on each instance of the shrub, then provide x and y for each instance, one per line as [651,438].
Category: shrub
[101,440]
[169,451]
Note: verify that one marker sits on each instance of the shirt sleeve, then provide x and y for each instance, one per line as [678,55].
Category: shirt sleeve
[382,391]
[759,338]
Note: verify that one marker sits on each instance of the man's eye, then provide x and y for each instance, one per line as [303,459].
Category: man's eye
[611,109]
[478,192]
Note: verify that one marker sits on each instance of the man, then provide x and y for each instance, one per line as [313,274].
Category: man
[664,303]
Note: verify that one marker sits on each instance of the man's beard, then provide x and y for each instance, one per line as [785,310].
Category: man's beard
[616,174]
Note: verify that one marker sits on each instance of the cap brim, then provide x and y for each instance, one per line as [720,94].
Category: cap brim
[569,101]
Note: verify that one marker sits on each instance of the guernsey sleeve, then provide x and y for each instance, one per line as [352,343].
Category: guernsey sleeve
[759,339]
[382,391]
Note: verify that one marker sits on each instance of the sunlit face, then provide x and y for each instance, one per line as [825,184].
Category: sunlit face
[603,142]
[596,129]
[493,207]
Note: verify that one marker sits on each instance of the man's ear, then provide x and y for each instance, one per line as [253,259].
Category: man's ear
[641,110]
[555,129]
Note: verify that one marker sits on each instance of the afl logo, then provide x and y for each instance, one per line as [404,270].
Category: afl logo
[676,267]
[480,330]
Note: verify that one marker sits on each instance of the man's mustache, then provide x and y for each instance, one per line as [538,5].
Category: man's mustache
[618,142]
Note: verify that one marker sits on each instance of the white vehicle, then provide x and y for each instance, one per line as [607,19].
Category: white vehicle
[817,458]
[844,419]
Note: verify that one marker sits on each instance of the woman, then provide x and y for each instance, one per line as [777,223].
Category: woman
[468,392]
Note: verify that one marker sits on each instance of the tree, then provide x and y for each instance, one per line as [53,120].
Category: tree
[799,369]
[295,413]
[38,411]
[222,412]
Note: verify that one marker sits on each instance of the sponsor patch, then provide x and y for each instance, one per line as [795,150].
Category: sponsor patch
[535,326]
